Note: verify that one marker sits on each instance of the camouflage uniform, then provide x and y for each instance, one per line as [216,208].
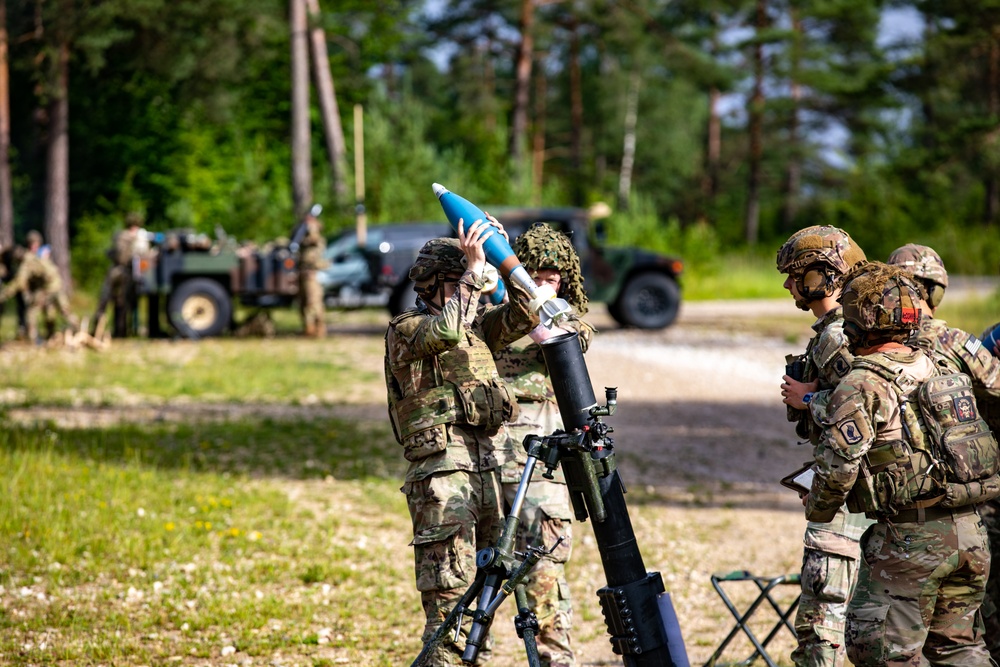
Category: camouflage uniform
[117,286]
[38,281]
[831,553]
[957,351]
[311,260]
[448,405]
[925,561]
[545,513]
[830,549]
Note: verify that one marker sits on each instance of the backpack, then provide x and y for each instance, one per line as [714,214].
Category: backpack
[962,440]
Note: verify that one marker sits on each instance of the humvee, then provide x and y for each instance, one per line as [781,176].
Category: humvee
[640,288]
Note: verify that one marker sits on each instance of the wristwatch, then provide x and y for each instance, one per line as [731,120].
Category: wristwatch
[807,398]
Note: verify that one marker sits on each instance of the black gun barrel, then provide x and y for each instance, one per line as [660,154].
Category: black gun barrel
[630,601]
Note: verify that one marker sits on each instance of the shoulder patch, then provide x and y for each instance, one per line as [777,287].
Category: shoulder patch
[973,344]
[850,432]
[841,366]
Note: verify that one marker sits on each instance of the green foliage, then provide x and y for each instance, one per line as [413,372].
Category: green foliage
[640,226]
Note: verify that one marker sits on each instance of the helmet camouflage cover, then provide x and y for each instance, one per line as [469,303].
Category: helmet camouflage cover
[543,247]
[921,261]
[819,244]
[880,299]
[437,256]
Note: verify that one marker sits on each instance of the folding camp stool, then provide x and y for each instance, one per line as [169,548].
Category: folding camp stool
[765,585]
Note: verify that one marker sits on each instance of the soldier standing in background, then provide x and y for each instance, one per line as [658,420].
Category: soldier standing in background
[958,352]
[926,559]
[37,281]
[549,257]
[448,407]
[117,287]
[311,247]
[816,259]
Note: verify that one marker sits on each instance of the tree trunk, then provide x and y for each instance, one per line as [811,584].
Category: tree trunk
[6,193]
[538,139]
[519,115]
[756,130]
[992,208]
[793,170]
[713,139]
[302,195]
[335,145]
[713,146]
[576,114]
[57,172]
[628,148]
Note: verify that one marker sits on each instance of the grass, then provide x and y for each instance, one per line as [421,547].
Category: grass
[197,544]
[139,545]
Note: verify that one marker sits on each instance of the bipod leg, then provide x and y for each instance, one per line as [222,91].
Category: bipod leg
[526,624]
[453,620]
[497,563]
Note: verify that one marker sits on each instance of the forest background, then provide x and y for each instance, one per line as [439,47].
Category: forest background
[713,128]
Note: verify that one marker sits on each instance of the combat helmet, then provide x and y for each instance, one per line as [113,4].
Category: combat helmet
[436,259]
[926,266]
[544,247]
[817,258]
[881,304]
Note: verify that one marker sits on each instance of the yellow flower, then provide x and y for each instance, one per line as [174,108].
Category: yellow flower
[169,526]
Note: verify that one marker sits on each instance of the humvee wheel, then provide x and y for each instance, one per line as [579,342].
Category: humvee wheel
[199,308]
[648,301]
[402,298]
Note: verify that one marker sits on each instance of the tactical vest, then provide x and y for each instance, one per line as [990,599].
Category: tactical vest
[948,457]
[457,386]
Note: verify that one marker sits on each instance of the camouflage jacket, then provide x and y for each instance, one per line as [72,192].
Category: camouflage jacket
[828,361]
[863,410]
[312,247]
[522,365]
[122,247]
[415,337]
[35,278]
[959,352]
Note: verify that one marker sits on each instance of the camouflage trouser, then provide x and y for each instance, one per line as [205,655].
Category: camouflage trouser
[454,514]
[47,306]
[114,289]
[546,585]
[918,595]
[545,516]
[991,603]
[311,303]
[827,580]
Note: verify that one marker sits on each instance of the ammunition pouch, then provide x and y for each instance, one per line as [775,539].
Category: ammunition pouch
[973,493]
[894,478]
[420,421]
[487,405]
